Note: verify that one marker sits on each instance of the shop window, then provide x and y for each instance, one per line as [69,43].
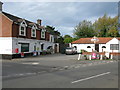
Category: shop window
[24,47]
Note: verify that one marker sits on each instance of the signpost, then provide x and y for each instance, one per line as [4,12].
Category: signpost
[94,39]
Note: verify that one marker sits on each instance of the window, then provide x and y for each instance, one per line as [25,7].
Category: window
[88,47]
[114,46]
[22,29]
[42,34]
[103,46]
[24,47]
[33,32]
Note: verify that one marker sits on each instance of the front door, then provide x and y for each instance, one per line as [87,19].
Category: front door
[97,47]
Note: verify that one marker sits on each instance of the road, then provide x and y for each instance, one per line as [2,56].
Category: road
[51,72]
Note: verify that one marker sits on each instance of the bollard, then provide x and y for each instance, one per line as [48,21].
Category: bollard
[89,57]
[111,56]
[79,56]
[101,57]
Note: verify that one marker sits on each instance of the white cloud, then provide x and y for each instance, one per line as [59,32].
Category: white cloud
[62,15]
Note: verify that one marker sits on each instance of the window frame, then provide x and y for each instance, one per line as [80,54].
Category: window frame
[42,33]
[24,25]
[33,28]
[114,46]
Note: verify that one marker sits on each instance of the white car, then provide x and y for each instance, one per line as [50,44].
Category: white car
[70,50]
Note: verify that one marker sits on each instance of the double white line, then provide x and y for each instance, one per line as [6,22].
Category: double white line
[91,77]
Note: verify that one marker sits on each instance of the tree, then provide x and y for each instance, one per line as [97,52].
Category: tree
[113,32]
[104,24]
[84,29]
[60,40]
[68,40]
[67,36]
[50,29]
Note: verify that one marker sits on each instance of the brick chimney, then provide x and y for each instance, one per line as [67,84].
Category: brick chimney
[39,22]
[1,6]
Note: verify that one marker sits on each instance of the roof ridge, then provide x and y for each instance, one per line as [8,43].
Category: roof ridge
[16,17]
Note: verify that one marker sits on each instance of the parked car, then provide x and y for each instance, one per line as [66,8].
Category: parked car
[70,50]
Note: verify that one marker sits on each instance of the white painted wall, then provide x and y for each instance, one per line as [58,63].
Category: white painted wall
[107,45]
[32,43]
[113,41]
[5,45]
[51,36]
[84,46]
[100,47]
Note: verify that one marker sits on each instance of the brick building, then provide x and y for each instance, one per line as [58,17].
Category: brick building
[19,35]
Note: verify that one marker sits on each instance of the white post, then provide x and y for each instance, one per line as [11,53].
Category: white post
[70,45]
[111,56]
[107,54]
[101,57]
[89,57]
[79,56]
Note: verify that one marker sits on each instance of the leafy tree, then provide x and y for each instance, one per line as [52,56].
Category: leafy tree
[67,36]
[60,40]
[104,25]
[84,29]
[68,40]
[113,32]
[50,29]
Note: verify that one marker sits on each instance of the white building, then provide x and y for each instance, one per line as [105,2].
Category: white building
[104,44]
[19,35]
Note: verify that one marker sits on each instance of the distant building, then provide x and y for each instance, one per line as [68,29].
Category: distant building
[105,44]
[19,35]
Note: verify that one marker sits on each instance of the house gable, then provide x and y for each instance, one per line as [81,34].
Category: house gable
[6,26]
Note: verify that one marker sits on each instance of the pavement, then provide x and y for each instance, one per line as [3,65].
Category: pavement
[51,68]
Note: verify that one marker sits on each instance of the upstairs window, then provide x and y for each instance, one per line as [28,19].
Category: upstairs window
[22,29]
[51,38]
[33,32]
[43,33]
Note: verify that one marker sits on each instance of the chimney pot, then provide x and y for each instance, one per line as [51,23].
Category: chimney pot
[39,22]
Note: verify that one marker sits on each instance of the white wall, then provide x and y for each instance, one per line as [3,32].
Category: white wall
[113,41]
[107,45]
[84,46]
[5,45]
[100,47]
[51,36]
[32,43]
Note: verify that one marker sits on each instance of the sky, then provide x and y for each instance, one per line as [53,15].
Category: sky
[64,16]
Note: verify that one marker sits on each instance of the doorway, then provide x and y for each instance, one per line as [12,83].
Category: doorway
[97,47]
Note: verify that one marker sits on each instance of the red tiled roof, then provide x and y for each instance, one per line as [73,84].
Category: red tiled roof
[118,38]
[102,40]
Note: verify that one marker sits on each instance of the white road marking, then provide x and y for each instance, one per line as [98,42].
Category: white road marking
[23,74]
[35,63]
[91,77]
